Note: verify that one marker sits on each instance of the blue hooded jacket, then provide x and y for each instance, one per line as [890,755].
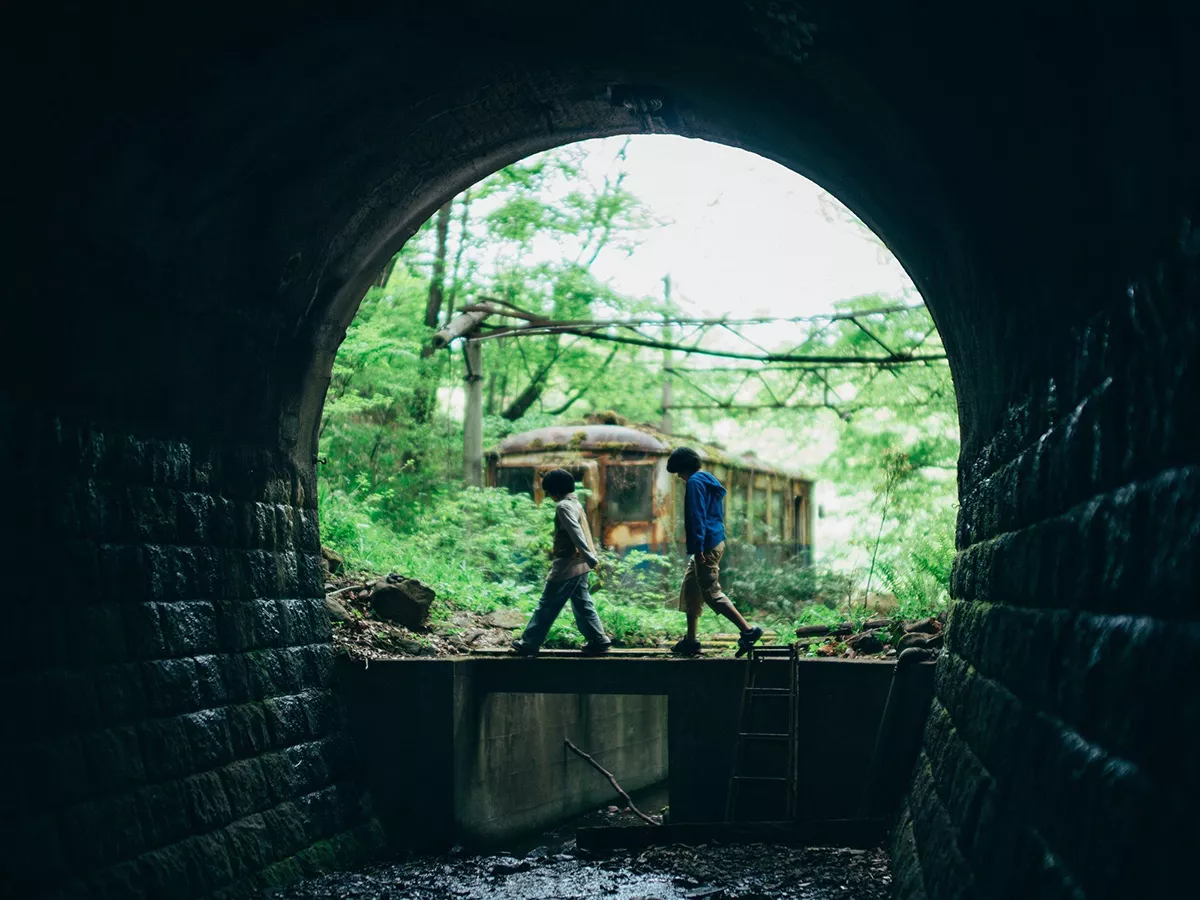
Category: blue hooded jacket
[703,513]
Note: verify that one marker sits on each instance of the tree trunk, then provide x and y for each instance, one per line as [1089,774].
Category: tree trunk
[382,280]
[437,283]
[533,391]
[491,394]
[464,220]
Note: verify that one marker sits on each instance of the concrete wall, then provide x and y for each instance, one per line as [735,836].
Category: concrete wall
[472,748]
[517,776]
[448,761]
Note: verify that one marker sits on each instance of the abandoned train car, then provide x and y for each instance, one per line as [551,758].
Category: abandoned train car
[633,503]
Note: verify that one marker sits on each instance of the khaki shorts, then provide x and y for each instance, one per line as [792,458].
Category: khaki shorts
[701,581]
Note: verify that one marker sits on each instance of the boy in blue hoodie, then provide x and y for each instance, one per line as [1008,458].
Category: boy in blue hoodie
[704,527]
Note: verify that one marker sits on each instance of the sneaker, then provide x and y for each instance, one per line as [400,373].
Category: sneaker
[687,647]
[747,640]
[596,649]
[522,649]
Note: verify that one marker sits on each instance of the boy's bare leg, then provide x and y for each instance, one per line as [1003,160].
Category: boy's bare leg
[692,619]
[728,610]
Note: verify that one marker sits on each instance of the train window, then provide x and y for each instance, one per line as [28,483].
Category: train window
[629,493]
[759,531]
[515,479]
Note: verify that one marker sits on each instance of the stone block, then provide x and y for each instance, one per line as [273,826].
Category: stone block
[235,624]
[123,574]
[166,751]
[212,690]
[264,674]
[267,627]
[189,627]
[96,634]
[194,512]
[163,811]
[144,635]
[210,736]
[114,759]
[286,720]
[124,880]
[246,788]
[120,693]
[167,874]
[207,805]
[235,676]
[148,514]
[248,729]
[247,841]
[82,828]
[171,686]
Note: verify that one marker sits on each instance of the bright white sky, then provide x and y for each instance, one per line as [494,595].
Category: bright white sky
[744,235]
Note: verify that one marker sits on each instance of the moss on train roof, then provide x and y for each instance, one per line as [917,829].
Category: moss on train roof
[585,437]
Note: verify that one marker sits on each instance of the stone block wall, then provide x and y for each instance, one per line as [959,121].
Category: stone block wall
[168,727]
[1059,756]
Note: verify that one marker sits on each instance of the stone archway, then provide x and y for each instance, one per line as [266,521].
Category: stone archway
[200,234]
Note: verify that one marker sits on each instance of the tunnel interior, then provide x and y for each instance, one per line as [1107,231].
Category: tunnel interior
[202,200]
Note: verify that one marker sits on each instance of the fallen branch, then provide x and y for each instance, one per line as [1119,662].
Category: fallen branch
[612,780]
[352,587]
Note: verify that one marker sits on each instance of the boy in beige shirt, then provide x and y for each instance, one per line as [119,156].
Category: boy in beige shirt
[574,558]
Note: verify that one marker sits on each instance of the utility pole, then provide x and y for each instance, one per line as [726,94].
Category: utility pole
[473,422]
[667,360]
[466,325]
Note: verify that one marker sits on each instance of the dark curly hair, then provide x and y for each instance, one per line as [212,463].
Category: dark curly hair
[558,482]
[683,460]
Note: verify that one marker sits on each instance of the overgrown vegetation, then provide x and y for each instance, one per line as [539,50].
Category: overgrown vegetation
[391,436]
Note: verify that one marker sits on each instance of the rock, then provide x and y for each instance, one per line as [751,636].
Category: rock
[925,626]
[917,639]
[405,602]
[505,618]
[337,610]
[332,561]
[865,642]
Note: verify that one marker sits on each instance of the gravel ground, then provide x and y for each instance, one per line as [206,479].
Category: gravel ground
[709,872]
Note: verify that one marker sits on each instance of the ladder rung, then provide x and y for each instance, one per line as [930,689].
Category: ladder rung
[763,736]
[761,778]
[758,690]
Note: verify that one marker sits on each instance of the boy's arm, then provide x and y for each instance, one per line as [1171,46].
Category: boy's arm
[695,509]
[569,523]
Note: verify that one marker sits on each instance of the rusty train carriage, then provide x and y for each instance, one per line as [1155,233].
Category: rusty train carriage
[635,504]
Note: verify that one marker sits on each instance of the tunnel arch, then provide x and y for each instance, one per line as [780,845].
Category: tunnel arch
[227,182]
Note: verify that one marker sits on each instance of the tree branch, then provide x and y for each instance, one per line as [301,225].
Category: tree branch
[611,780]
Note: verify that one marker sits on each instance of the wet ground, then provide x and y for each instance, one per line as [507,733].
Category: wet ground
[660,873]
[549,867]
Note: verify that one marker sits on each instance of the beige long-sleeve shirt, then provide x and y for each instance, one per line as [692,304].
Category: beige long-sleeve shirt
[574,550]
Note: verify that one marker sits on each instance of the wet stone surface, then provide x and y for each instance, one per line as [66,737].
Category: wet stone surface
[708,872]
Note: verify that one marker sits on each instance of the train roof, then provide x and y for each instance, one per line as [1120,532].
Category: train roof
[614,434]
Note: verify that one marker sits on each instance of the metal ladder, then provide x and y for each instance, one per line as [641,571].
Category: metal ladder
[752,693]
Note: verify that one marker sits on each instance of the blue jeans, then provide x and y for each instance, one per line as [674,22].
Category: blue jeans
[554,597]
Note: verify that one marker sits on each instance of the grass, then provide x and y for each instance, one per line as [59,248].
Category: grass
[485,549]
